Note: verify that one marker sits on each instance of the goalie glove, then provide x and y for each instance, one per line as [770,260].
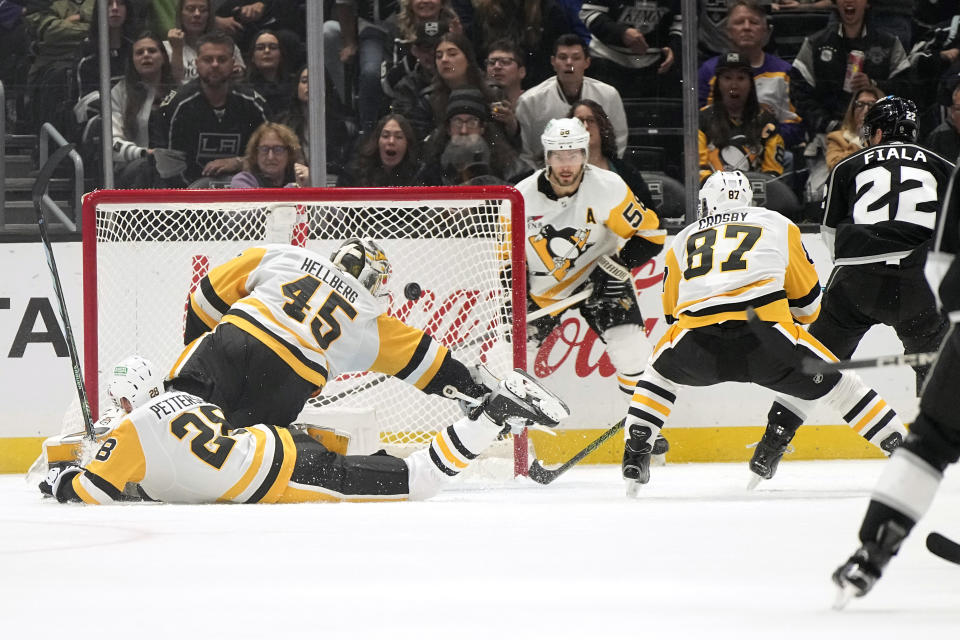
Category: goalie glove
[611,280]
[57,478]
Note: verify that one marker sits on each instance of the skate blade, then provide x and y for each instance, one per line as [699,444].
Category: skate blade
[633,488]
[844,595]
[753,481]
[658,460]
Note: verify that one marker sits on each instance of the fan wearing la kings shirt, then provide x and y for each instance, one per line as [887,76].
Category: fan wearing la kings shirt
[880,212]
[210,119]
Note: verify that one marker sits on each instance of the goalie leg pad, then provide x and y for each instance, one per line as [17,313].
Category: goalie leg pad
[376,475]
[451,451]
[866,412]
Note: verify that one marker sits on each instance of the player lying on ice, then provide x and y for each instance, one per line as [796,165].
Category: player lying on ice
[179,448]
[737,256]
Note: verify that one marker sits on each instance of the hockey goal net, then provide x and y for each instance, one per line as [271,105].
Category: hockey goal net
[145,251]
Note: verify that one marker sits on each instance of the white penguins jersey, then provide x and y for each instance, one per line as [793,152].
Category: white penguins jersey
[566,236]
[178,449]
[723,263]
[321,321]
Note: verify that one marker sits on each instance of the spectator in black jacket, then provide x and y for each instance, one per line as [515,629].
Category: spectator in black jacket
[945,139]
[817,82]
[209,119]
[635,50]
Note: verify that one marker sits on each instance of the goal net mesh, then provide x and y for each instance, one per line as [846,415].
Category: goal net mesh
[144,252]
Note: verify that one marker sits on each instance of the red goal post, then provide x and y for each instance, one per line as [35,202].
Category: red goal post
[145,250]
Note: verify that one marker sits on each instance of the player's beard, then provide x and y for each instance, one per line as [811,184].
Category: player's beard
[571,185]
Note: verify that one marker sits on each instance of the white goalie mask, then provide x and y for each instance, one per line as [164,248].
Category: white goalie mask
[724,190]
[563,134]
[365,261]
[137,380]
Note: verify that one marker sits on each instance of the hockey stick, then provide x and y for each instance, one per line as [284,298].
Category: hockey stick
[538,473]
[813,365]
[39,190]
[943,547]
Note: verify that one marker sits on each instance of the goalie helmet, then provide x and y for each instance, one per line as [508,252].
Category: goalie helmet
[365,261]
[896,117]
[561,134]
[137,380]
[724,190]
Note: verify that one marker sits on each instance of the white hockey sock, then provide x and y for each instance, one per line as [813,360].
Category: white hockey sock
[651,404]
[628,350]
[864,410]
[450,451]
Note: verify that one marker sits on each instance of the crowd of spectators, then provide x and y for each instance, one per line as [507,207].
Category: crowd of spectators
[440,92]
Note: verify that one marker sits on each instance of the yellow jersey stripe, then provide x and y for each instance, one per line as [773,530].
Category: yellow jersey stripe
[276,324]
[184,356]
[251,471]
[229,280]
[434,367]
[286,468]
[81,491]
[731,293]
[282,350]
[198,310]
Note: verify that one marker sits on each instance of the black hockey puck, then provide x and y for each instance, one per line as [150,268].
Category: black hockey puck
[412,291]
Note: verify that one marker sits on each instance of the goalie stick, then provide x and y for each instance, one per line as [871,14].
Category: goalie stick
[39,190]
[943,547]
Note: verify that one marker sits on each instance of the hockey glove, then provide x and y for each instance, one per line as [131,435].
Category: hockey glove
[57,478]
[611,280]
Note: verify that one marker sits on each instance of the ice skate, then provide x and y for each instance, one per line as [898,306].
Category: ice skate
[636,467]
[768,453]
[856,577]
[860,572]
[519,400]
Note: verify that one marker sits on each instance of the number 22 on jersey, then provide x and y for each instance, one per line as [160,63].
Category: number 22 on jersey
[876,192]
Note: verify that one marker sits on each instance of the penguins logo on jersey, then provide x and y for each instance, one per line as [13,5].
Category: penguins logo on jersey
[559,250]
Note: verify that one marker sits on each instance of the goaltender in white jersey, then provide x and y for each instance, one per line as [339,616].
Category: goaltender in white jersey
[267,329]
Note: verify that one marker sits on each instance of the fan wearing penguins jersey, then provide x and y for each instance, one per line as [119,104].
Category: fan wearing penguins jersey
[267,329]
[585,227]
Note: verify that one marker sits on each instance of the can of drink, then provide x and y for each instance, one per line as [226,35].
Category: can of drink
[854,65]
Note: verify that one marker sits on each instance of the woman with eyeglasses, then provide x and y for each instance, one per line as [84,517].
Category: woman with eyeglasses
[268,73]
[603,147]
[846,140]
[273,159]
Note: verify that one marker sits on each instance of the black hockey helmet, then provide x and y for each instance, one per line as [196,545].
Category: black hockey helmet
[896,117]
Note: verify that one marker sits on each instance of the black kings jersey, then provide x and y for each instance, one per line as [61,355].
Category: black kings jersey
[882,202]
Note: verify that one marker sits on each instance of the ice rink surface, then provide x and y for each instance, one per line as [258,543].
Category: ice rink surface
[696,556]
